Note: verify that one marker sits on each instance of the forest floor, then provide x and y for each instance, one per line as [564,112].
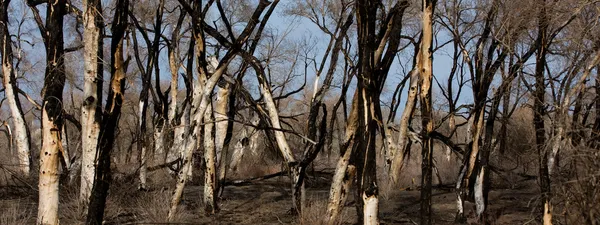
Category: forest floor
[266,202]
[270,203]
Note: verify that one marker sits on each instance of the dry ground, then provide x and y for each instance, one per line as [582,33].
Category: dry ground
[264,202]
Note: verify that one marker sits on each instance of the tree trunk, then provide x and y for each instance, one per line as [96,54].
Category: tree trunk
[112,112]
[248,140]
[52,120]
[344,172]
[595,136]
[159,133]
[143,142]
[539,114]
[204,95]
[20,130]
[210,179]
[175,118]
[225,111]
[221,113]
[426,110]
[91,111]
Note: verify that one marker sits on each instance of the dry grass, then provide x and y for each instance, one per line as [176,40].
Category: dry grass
[15,213]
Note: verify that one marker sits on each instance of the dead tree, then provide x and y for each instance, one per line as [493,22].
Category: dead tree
[359,150]
[146,72]
[20,129]
[110,117]
[203,94]
[539,112]
[52,107]
[426,76]
[91,109]
[343,21]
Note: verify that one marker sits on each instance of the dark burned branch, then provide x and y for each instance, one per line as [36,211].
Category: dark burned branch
[72,119]
[38,19]
[313,150]
[225,21]
[37,106]
[446,140]
[263,127]
[164,165]
[73,49]
[250,180]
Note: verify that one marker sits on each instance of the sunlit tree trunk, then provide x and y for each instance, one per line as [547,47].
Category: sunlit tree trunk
[344,172]
[91,111]
[20,135]
[112,112]
[224,111]
[175,119]
[52,119]
[426,109]
[210,178]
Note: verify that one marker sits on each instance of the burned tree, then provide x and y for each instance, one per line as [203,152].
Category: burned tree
[52,108]
[91,109]
[9,81]
[110,117]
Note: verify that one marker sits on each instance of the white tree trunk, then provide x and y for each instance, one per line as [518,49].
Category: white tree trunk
[90,115]
[201,95]
[248,140]
[210,179]
[159,144]
[20,132]
[478,189]
[370,210]
[238,150]
[48,177]
[179,139]
[547,219]
[221,118]
[340,186]
[143,151]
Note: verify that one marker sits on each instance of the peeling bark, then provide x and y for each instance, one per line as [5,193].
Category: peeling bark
[52,107]
[110,118]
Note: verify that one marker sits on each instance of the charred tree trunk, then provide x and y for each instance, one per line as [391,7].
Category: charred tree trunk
[110,120]
[52,106]
[426,110]
[539,114]
[595,137]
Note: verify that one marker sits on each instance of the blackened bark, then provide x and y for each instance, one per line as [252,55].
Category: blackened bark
[539,106]
[111,115]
